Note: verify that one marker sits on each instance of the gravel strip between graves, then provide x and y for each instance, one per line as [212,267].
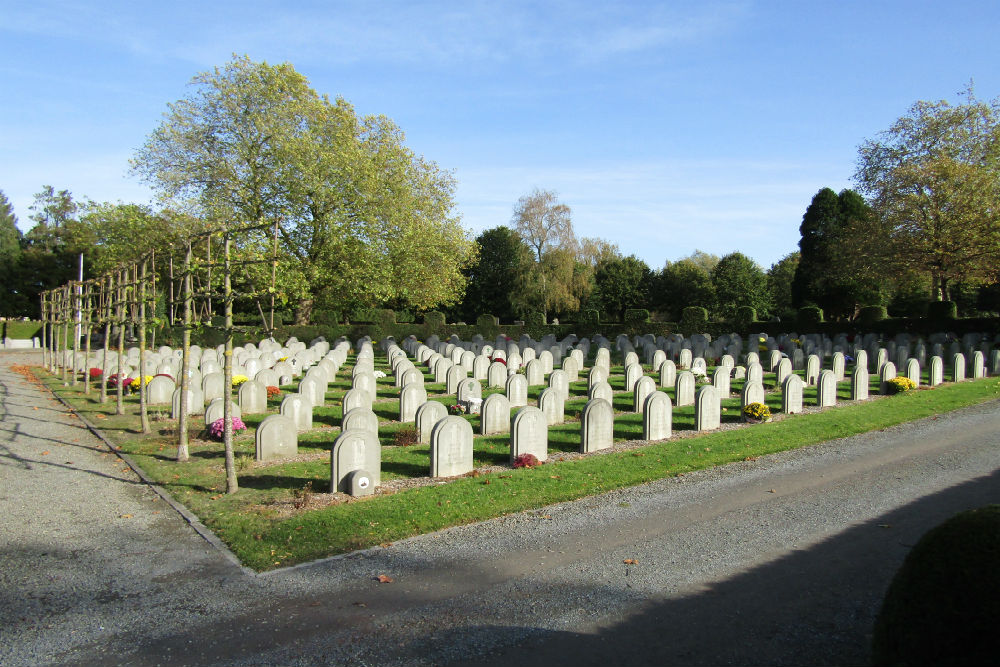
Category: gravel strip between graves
[778,561]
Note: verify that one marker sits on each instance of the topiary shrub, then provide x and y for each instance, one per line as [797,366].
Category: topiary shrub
[942,310]
[384,317]
[404,316]
[744,318]
[434,319]
[810,317]
[694,319]
[590,317]
[487,321]
[634,316]
[535,320]
[869,315]
[943,604]
[325,317]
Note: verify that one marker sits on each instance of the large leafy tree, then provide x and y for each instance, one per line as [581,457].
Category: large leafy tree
[363,220]
[555,281]
[10,256]
[739,281]
[830,251]
[933,179]
[681,284]
[493,278]
[779,282]
[621,283]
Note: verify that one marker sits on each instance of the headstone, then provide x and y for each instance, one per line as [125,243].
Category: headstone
[826,389]
[597,425]
[360,418]
[571,368]
[601,390]
[365,381]
[496,376]
[552,402]
[782,370]
[837,365]
[559,381]
[355,398]
[602,359]
[812,369]
[707,410]
[298,408]
[595,375]
[668,374]
[196,402]
[913,371]
[355,450]
[252,397]
[886,373]
[684,389]
[657,417]
[529,434]
[451,447]
[755,373]
[160,390]
[684,359]
[276,438]
[313,389]
[978,365]
[494,415]
[428,414]
[957,367]
[791,394]
[213,386]
[753,392]
[859,383]
[453,376]
[720,380]
[861,358]
[215,409]
[517,391]
[643,388]
[935,371]
[632,374]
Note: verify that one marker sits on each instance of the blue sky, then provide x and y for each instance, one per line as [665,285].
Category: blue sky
[665,126]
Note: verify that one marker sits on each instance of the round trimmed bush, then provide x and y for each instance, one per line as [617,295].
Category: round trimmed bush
[810,316]
[535,319]
[942,310]
[943,604]
[869,315]
[694,319]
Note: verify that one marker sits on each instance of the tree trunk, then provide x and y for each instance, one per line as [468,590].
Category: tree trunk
[303,313]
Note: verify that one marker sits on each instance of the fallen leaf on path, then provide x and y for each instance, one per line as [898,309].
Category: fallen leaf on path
[772,491]
[125,516]
[45,453]
[384,579]
[630,561]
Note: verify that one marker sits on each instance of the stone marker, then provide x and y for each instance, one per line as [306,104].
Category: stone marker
[886,373]
[958,367]
[601,390]
[707,411]
[753,392]
[356,398]
[668,374]
[644,386]
[360,419]
[684,389]
[252,397]
[782,370]
[720,380]
[451,447]
[913,371]
[595,375]
[428,414]
[935,371]
[214,411]
[812,369]
[529,434]
[597,425]
[298,408]
[494,415]
[859,383]
[552,402]
[826,389]
[276,438]
[657,417]
[196,402]
[517,391]
[355,450]
[791,394]
[160,389]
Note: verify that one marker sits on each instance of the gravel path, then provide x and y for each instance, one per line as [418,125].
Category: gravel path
[778,561]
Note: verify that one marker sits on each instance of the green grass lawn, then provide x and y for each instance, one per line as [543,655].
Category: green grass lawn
[278,519]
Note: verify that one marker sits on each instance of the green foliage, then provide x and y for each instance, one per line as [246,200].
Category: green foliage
[590,317]
[780,277]
[636,316]
[869,315]
[324,317]
[434,320]
[404,316]
[534,319]
[620,284]
[942,605]
[820,276]
[739,281]
[694,319]
[681,284]
[364,219]
[809,317]
[942,310]
[494,276]
[934,179]
[744,318]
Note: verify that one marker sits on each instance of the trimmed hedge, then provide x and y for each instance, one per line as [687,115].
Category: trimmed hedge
[869,315]
[942,310]
[744,318]
[15,329]
[809,317]
[694,319]
[635,316]
[535,319]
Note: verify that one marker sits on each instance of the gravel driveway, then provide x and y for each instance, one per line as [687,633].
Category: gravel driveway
[778,561]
